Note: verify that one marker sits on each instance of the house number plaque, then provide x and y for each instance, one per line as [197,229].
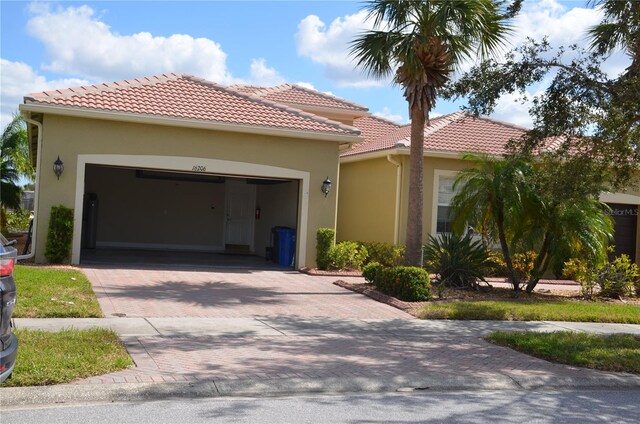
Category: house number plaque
[199,168]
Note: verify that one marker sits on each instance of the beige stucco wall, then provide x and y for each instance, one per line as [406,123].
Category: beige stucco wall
[69,137]
[366,201]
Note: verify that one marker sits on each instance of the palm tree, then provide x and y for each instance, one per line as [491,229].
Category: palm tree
[619,29]
[420,43]
[14,165]
[494,197]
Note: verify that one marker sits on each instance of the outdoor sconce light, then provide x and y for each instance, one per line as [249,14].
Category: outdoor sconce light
[58,167]
[326,186]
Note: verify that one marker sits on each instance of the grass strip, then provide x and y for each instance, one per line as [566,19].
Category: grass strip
[614,352]
[526,310]
[46,358]
[54,293]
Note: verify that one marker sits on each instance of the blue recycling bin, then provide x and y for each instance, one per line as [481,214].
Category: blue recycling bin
[285,245]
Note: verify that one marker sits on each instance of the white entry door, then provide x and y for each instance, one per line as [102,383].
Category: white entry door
[240,212]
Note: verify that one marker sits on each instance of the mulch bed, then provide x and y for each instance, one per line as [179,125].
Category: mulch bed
[329,273]
[455,295]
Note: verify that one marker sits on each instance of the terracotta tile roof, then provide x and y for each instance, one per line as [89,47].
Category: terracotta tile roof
[373,127]
[298,95]
[454,133]
[187,97]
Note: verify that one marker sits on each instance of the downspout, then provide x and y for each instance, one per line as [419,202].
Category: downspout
[396,225]
[36,190]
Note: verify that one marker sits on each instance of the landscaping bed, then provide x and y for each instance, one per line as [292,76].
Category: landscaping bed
[499,304]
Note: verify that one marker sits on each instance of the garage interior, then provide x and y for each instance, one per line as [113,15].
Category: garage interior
[135,215]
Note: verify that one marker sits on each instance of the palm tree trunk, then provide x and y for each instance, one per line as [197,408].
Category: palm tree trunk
[538,268]
[413,239]
[505,246]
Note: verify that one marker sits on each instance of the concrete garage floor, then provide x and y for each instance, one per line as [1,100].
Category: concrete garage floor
[171,259]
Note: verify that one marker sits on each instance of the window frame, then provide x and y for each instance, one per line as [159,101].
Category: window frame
[437,174]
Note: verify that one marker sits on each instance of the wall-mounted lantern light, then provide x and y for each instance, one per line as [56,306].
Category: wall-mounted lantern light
[326,186]
[58,167]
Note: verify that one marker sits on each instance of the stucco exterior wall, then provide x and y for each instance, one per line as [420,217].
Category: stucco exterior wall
[69,137]
[366,201]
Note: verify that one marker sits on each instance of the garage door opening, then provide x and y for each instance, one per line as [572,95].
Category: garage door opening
[139,215]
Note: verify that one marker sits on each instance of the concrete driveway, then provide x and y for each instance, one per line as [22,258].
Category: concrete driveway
[217,293]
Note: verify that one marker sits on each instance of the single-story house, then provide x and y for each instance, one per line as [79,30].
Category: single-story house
[175,162]
[374,179]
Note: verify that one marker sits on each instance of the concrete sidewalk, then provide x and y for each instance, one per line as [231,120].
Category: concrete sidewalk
[204,357]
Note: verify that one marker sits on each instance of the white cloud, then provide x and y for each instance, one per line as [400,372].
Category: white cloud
[329,47]
[78,43]
[261,74]
[19,79]
[395,117]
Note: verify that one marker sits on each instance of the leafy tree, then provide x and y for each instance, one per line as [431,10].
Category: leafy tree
[14,164]
[420,43]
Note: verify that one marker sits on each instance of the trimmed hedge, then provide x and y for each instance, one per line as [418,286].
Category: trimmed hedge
[403,282]
[347,255]
[60,235]
[325,238]
[387,254]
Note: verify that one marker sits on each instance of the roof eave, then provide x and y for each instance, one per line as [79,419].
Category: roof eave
[187,123]
[404,151]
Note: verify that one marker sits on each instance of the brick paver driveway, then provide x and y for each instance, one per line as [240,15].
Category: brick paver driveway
[228,294]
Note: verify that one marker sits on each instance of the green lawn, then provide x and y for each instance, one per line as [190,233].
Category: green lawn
[54,293]
[616,352]
[526,310]
[60,357]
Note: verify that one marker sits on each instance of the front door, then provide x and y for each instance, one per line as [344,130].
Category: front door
[240,214]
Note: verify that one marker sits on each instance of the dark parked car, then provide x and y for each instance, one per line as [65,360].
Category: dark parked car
[8,340]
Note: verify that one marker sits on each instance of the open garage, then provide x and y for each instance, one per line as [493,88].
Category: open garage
[130,211]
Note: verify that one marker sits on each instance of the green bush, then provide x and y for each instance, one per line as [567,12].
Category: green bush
[372,272]
[387,254]
[495,265]
[614,279]
[523,264]
[404,282]
[18,220]
[325,238]
[348,255]
[58,247]
[617,278]
[458,261]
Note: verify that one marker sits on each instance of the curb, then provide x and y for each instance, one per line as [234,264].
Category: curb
[13,397]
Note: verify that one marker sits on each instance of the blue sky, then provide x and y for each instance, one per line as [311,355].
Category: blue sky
[46,45]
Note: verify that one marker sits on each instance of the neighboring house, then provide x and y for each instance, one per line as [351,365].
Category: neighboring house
[177,162]
[374,180]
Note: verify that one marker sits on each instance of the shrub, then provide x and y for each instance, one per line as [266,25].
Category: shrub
[613,279]
[523,264]
[59,237]
[458,261]
[325,238]
[617,278]
[372,272]
[404,282]
[347,255]
[387,254]
[18,220]
[495,265]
